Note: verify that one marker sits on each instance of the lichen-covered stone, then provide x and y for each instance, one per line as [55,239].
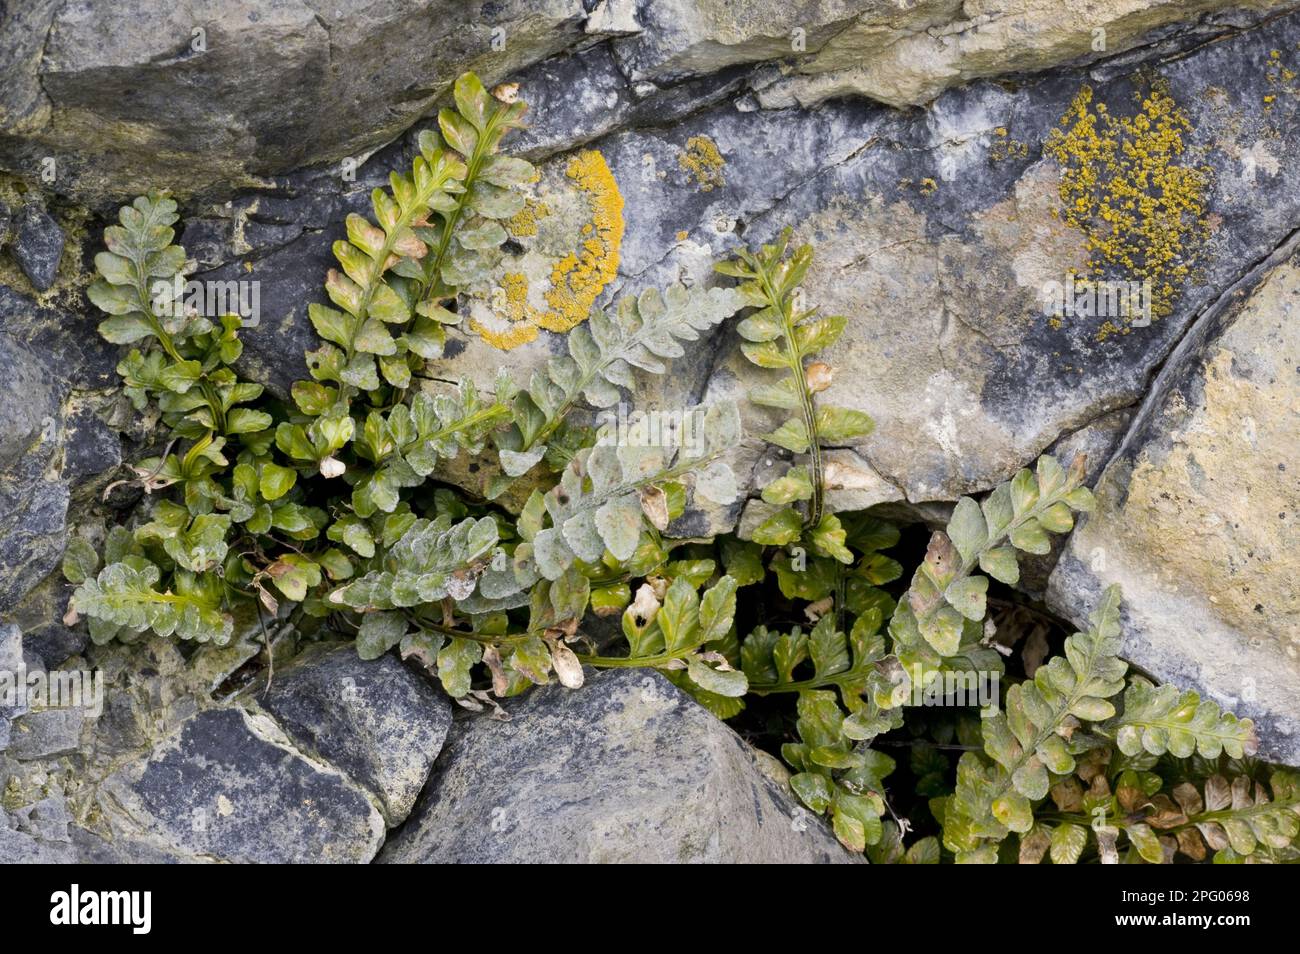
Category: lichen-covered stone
[227,785]
[376,720]
[627,769]
[1198,516]
[37,246]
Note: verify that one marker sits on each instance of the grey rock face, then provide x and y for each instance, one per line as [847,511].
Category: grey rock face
[377,721]
[1197,515]
[33,499]
[142,94]
[227,786]
[37,246]
[626,769]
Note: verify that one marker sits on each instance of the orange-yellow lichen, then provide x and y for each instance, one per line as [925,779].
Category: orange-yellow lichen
[1124,184]
[1280,79]
[578,278]
[524,222]
[702,161]
[1004,147]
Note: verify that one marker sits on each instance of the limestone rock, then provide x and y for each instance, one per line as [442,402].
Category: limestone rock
[227,786]
[33,499]
[376,720]
[1198,516]
[627,769]
[213,95]
[907,54]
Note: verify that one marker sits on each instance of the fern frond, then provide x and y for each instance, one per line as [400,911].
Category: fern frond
[1160,719]
[946,594]
[433,560]
[781,334]
[467,224]
[834,775]
[1029,741]
[136,274]
[369,300]
[642,332]
[125,595]
[603,498]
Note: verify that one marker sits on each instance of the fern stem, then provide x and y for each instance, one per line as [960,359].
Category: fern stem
[807,409]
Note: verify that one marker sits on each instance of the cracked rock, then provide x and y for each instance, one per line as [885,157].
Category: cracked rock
[1198,517]
[627,769]
[226,785]
[377,721]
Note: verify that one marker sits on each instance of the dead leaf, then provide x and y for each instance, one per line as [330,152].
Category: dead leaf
[1035,650]
[567,668]
[492,659]
[1034,845]
[816,610]
[654,504]
[1106,838]
[818,376]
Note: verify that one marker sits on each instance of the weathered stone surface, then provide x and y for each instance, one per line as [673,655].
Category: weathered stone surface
[37,246]
[1197,516]
[194,96]
[33,500]
[627,769]
[228,786]
[46,733]
[376,720]
[905,55]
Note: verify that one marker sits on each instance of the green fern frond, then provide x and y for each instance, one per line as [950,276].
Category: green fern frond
[125,596]
[1160,719]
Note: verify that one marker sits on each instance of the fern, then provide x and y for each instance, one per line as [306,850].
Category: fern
[1030,740]
[946,596]
[126,597]
[432,561]
[641,333]
[781,335]
[606,494]
[835,776]
[1160,719]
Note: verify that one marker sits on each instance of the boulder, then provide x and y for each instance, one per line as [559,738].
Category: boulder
[626,769]
[907,54]
[375,720]
[227,785]
[1198,514]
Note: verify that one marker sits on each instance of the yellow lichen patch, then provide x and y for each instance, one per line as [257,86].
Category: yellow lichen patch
[524,222]
[1004,147]
[703,163]
[576,279]
[1127,186]
[1281,80]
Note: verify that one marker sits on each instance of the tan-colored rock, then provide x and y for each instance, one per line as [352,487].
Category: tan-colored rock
[1198,518]
[907,59]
